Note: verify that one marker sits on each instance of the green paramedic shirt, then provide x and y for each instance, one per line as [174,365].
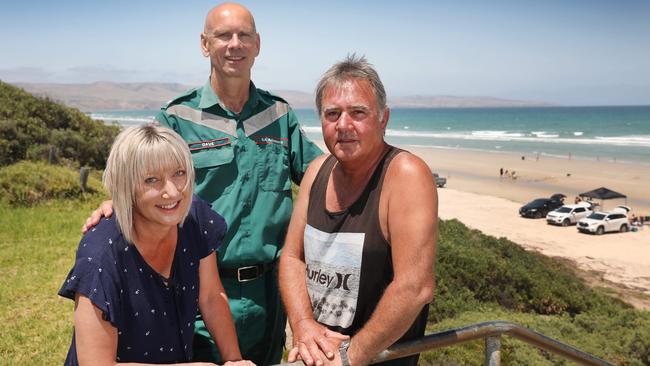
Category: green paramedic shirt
[244,166]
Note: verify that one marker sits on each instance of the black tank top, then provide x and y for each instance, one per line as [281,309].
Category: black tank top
[348,260]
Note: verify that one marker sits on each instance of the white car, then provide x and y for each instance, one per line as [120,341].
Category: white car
[569,214]
[603,222]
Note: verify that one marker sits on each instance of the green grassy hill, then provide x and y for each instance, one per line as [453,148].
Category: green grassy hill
[482,278]
[30,127]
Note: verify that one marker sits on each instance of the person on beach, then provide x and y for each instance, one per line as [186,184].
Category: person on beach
[359,256]
[140,277]
[247,148]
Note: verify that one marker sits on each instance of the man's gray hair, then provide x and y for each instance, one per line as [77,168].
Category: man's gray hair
[136,152]
[353,67]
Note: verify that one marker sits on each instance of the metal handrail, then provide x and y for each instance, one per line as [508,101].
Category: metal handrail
[491,331]
[488,330]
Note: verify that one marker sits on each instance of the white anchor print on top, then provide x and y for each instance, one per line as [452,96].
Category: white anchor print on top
[111,276]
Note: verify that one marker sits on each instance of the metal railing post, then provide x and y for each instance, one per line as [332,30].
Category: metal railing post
[493,351]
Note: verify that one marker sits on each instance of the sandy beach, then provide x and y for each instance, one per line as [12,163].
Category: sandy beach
[477,196]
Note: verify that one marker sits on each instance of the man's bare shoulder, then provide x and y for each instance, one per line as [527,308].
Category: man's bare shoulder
[315,164]
[409,169]
[409,202]
[312,170]
[318,161]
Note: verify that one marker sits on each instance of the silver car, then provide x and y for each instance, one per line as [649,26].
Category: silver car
[604,222]
[569,214]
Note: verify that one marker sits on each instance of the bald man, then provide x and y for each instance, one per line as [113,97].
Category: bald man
[247,148]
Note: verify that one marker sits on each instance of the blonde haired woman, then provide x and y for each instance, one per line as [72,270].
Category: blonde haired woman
[140,276]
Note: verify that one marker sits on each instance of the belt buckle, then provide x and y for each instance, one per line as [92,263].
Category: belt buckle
[239,273]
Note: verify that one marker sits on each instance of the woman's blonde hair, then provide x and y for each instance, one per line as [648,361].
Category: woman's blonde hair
[136,152]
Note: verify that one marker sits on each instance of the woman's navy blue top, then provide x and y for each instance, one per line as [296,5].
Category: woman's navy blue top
[154,320]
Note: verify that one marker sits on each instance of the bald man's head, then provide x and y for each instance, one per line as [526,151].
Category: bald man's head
[231,41]
[228,10]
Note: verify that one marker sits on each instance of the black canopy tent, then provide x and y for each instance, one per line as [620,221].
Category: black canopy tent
[603,193]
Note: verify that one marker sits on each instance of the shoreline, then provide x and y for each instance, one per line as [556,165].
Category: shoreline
[534,156]
[478,197]
[478,172]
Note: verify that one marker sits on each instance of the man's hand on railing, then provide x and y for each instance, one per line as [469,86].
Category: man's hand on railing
[314,344]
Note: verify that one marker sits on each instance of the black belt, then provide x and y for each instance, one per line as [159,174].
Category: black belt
[247,273]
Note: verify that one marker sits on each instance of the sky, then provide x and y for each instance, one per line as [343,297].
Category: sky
[567,52]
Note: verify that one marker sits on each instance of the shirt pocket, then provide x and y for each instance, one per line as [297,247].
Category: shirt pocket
[216,171]
[273,165]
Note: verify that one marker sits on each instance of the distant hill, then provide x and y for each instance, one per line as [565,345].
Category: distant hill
[106,95]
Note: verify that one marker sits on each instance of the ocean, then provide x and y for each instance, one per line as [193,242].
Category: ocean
[620,134]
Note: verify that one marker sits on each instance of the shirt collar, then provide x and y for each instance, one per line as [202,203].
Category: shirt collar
[209,98]
[253,98]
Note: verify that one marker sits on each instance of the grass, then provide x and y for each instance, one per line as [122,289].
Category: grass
[480,278]
[37,246]
[606,343]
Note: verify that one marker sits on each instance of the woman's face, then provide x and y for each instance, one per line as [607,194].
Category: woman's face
[162,198]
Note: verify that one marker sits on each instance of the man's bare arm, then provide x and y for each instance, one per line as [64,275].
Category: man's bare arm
[309,337]
[409,215]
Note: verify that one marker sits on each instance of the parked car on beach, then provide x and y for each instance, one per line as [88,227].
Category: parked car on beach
[604,222]
[440,181]
[539,207]
[623,209]
[569,214]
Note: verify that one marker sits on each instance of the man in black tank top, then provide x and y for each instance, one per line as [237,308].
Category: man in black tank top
[357,268]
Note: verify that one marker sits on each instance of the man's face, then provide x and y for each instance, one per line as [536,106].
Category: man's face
[230,41]
[352,127]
